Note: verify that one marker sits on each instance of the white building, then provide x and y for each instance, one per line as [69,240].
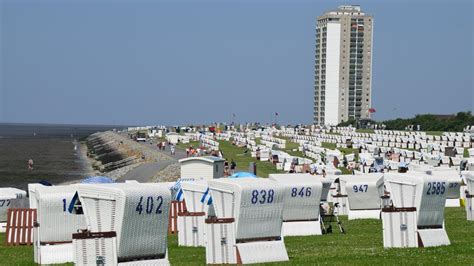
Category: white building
[343,66]
[174,138]
[208,167]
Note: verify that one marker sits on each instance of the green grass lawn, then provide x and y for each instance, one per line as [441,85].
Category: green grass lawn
[328,145]
[292,148]
[21,255]
[361,245]
[365,130]
[242,159]
[192,143]
[434,133]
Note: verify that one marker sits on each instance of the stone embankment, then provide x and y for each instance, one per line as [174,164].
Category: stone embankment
[169,174]
[115,155]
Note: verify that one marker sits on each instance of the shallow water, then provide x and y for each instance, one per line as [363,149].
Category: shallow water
[52,150]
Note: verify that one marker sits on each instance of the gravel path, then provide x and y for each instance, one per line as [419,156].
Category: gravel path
[157,165]
[165,169]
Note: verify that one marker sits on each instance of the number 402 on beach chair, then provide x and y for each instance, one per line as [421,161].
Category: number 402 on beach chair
[127,224]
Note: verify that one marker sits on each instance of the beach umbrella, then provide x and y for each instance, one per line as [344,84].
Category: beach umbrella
[242,174]
[97,180]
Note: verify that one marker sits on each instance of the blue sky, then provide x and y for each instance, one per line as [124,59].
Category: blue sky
[176,62]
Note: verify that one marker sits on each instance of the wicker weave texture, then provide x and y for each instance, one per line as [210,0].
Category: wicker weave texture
[95,251]
[402,190]
[363,214]
[32,195]
[193,192]
[260,252]
[248,201]
[302,228]
[157,262]
[416,190]
[56,224]
[453,190]
[54,254]
[364,191]
[139,214]
[434,237]
[399,229]
[327,184]
[191,231]
[100,213]
[8,198]
[220,247]
[302,196]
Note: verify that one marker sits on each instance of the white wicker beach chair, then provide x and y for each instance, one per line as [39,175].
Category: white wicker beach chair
[453,191]
[191,226]
[249,217]
[137,213]
[301,208]
[55,225]
[426,193]
[10,198]
[364,192]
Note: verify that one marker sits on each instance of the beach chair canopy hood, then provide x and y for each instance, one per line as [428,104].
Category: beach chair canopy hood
[138,213]
[256,204]
[303,196]
[363,191]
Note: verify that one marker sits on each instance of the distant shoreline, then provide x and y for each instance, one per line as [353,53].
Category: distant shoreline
[51,148]
[63,125]
[85,162]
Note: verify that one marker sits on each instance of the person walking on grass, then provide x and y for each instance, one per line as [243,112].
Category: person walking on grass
[172,149]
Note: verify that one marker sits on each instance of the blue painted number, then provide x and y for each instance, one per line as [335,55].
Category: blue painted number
[149,205]
[5,203]
[262,197]
[361,188]
[436,188]
[303,192]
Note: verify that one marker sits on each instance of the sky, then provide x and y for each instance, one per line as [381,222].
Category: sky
[179,62]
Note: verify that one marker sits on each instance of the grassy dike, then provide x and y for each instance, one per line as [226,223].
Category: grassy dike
[242,158]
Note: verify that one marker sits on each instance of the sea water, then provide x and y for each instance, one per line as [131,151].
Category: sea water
[51,147]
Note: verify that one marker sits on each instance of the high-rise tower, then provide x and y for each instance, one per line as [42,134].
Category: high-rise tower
[343,66]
